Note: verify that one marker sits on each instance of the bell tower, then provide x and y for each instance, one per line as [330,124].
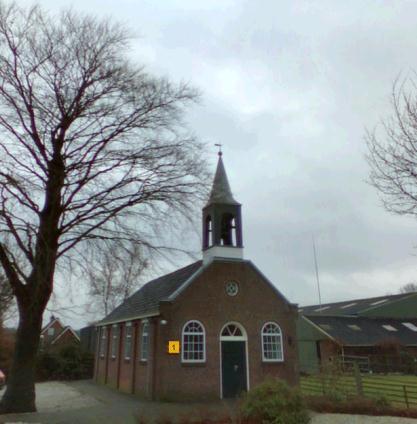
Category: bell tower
[222,220]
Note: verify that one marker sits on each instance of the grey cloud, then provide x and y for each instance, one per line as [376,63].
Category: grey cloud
[288,88]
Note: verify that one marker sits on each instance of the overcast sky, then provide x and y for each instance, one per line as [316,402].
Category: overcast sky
[289,88]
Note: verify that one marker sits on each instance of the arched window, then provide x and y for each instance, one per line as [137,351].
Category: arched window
[272,349]
[193,342]
[231,330]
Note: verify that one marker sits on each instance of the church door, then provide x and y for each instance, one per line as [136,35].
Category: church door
[233,368]
[233,355]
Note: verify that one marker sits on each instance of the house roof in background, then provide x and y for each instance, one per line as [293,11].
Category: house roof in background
[51,322]
[146,299]
[363,331]
[353,307]
[65,330]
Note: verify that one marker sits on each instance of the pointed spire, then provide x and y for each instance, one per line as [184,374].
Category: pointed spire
[220,192]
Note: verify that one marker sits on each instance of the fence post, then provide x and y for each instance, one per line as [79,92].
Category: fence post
[406,396]
[322,385]
[358,379]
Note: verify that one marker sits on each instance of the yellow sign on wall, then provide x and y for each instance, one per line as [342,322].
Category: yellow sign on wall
[173,346]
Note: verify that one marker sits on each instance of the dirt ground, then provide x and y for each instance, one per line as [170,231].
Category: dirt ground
[84,402]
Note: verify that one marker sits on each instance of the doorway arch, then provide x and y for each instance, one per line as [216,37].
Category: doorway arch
[234,360]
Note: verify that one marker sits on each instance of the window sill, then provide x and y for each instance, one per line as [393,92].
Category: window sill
[193,364]
[143,362]
[273,361]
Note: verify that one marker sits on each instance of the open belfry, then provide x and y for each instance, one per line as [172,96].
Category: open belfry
[210,330]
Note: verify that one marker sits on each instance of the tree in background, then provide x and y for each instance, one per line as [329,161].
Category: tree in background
[392,152]
[408,288]
[92,148]
[6,300]
[112,274]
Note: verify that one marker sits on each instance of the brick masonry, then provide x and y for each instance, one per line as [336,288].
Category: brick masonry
[164,376]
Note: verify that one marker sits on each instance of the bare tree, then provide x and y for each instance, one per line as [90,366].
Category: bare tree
[91,148]
[112,274]
[408,288]
[392,152]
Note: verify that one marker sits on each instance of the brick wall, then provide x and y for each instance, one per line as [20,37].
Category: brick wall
[164,376]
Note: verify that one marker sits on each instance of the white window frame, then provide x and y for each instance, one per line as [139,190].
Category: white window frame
[183,333]
[279,335]
[144,341]
[128,340]
[103,340]
[115,336]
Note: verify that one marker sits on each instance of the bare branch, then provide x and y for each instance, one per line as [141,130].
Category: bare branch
[92,149]
[392,152]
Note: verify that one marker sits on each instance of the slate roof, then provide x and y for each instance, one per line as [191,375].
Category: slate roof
[221,192]
[352,307]
[146,299]
[366,331]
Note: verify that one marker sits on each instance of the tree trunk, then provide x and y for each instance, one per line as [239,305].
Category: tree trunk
[20,392]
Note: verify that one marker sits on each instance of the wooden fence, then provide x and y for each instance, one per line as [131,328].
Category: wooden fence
[398,390]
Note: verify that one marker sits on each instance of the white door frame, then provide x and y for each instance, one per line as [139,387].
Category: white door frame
[242,338]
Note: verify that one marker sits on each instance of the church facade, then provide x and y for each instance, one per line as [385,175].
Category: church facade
[209,330]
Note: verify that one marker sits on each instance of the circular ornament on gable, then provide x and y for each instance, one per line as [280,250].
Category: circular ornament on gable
[232,288]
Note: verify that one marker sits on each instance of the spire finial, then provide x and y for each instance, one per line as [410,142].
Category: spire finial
[220,153]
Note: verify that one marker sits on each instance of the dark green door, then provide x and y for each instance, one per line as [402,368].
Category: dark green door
[233,368]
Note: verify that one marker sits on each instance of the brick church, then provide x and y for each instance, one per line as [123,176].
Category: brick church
[210,330]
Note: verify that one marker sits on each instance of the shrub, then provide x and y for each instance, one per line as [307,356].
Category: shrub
[47,366]
[70,363]
[381,401]
[330,378]
[275,402]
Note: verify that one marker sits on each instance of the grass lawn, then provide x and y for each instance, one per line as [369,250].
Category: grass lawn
[397,389]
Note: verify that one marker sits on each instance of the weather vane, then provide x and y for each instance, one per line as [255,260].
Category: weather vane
[220,148]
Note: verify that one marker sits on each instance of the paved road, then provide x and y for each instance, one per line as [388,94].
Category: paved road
[359,419]
[83,402]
